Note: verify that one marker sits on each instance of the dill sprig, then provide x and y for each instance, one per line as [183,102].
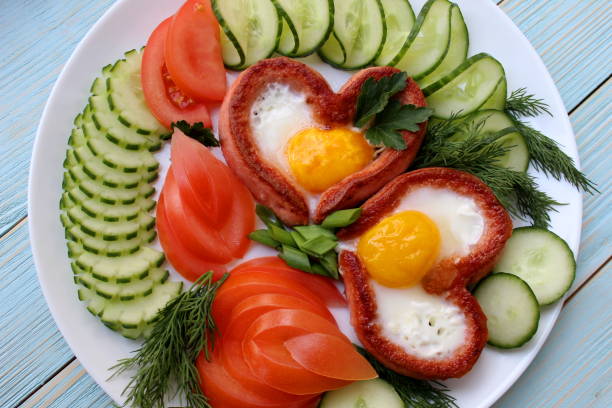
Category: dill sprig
[164,364]
[520,103]
[478,154]
[414,393]
[546,155]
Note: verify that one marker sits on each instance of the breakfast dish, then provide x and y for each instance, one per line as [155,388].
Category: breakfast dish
[388,195]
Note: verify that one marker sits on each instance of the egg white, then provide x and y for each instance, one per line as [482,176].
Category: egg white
[429,326]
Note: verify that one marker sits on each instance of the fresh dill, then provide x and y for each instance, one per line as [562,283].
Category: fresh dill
[520,103]
[414,393]
[198,132]
[478,154]
[164,364]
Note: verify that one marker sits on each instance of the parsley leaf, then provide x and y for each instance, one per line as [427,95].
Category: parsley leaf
[375,95]
[393,118]
[198,132]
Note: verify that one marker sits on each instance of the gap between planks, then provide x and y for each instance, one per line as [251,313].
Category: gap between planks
[55,379]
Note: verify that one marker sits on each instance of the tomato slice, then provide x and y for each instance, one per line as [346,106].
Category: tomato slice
[329,356]
[224,391]
[189,265]
[321,285]
[192,229]
[193,52]
[165,100]
[241,223]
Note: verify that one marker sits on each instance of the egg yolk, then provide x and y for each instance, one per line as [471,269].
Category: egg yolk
[320,158]
[399,250]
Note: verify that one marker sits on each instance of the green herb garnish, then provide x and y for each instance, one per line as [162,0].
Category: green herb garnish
[414,393]
[198,132]
[165,362]
[387,117]
[479,155]
[520,103]
[309,248]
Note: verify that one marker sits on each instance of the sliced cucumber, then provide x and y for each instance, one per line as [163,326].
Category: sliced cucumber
[498,99]
[399,19]
[252,27]
[75,176]
[107,212]
[428,41]
[122,291]
[122,269]
[493,121]
[457,49]
[374,393]
[467,88]
[306,26]
[542,259]
[360,27]
[511,308]
[333,51]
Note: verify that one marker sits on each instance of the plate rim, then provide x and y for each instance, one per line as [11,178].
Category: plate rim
[37,155]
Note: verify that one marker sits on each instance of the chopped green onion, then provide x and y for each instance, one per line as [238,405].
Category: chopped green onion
[342,218]
[298,238]
[267,216]
[319,270]
[295,258]
[330,263]
[315,231]
[319,246]
[263,237]
[281,235]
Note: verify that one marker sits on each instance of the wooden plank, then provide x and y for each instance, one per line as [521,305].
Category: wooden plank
[572,37]
[31,347]
[573,367]
[592,123]
[37,38]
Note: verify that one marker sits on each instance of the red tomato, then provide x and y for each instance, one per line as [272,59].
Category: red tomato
[192,229]
[189,265]
[193,52]
[324,287]
[167,103]
[224,391]
[241,223]
[329,356]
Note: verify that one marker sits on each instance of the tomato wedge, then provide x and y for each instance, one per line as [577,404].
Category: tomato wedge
[189,265]
[165,100]
[193,52]
[224,391]
[192,230]
[320,285]
[329,356]
[241,223]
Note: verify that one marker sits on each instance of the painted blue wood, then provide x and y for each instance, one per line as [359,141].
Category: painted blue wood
[31,347]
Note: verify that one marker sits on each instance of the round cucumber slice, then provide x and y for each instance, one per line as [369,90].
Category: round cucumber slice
[399,19]
[307,25]
[542,259]
[511,308]
[374,393]
[333,51]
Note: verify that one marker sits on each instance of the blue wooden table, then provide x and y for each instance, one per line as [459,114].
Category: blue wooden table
[37,369]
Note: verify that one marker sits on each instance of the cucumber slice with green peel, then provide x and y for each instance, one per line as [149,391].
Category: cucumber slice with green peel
[428,41]
[457,49]
[104,248]
[498,99]
[77,138]
[252,27]
[512,310]
[115,131]
[75,175]
[493,121]
[126,98]
[467,88]
[123,291]
[374,393]
[108,212]
[233,56]
[306,25]
[399,19]
[360,27]
[122,269]
[542,259]
[333,51]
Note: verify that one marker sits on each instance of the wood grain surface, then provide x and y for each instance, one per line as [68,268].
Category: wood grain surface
[37,369]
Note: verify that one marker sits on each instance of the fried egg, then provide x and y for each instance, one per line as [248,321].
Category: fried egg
[289,138]
[427,225]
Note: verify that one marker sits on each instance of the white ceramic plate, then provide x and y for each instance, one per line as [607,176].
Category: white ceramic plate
[127,25]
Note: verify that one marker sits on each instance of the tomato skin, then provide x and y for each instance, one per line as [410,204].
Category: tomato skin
[189,265]
[193,52]
[156,83]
